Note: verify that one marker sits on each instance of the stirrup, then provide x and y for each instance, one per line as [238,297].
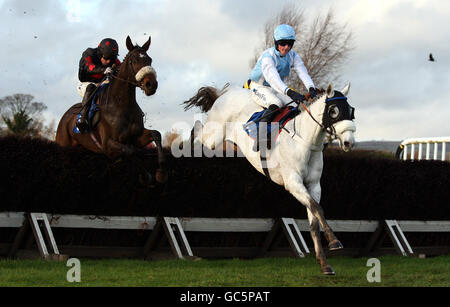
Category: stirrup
[82,125]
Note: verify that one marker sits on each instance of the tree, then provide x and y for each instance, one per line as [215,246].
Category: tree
[21,115]
[324,45]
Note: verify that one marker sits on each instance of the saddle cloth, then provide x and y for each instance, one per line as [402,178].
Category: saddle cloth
[92,110]
[282,117]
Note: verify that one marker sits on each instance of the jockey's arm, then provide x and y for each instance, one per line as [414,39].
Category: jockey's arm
[89,71]
[272,76]
[302,72]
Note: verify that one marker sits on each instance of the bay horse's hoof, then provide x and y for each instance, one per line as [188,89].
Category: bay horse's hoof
[161,175]
[145,179]
[193,258]
[335,245]
[327,270]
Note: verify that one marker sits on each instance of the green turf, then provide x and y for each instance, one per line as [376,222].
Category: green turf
[268,272]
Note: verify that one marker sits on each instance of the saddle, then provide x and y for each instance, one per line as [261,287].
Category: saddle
[94,110]
[282,116]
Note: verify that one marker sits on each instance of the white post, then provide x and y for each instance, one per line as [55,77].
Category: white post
[420,152]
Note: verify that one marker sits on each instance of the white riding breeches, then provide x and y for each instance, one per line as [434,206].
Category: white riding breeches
[264,96]
[82,87]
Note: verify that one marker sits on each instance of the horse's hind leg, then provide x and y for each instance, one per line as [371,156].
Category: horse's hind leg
[212,135]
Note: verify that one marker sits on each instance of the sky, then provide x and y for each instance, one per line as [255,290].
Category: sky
[396,91]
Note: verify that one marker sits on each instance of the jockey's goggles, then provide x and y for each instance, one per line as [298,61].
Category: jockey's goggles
[288,42]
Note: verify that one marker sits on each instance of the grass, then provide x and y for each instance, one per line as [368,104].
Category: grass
[269,272]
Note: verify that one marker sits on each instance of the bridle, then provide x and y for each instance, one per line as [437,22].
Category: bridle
[329,128]
[137,84]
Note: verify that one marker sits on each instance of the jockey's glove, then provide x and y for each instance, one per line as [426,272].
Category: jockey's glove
[108,71]
[295,96]
[312,92]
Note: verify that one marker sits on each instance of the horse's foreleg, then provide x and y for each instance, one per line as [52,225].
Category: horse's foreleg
[316,218]
[161,172]
[314,227]
[115,149]
[147,137]
[333,242]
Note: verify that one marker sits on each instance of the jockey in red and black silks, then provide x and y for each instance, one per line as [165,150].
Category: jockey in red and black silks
[95,63]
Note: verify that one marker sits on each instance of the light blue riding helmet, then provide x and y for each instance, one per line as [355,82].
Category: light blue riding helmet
[284,32]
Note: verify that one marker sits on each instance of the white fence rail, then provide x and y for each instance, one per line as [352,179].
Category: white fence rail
[433,148]
[198,224]
[192,224]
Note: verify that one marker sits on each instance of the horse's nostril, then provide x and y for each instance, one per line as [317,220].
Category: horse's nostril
[347,144]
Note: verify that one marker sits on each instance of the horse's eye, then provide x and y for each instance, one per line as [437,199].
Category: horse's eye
[333,112]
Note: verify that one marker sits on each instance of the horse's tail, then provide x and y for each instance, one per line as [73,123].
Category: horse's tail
[205,98]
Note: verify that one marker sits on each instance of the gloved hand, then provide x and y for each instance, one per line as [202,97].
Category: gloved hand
[312,92]
[295,96]
[108,71]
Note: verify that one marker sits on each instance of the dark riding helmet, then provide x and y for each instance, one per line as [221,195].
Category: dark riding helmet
[108,48]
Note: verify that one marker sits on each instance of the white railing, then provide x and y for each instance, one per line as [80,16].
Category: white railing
[408,147]
[193,224]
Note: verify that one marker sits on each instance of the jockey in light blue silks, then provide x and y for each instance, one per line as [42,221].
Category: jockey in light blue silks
[266,82]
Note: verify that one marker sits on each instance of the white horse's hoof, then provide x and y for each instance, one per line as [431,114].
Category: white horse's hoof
[327,270]
[335,245]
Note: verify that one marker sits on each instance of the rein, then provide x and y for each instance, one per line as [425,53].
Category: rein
[330,130]
[127,81]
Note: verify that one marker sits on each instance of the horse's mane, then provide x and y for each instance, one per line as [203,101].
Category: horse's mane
[129,52]
[320,93]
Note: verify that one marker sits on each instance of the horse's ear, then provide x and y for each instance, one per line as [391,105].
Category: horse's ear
[345,90]
[147,44]
[330,91]
[129,44]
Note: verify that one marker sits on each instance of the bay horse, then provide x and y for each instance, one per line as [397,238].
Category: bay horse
[295,159]
[120,128]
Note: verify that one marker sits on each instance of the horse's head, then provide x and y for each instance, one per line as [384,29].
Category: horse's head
[338,117]
[139,64]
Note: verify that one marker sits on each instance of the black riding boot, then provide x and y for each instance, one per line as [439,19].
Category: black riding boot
[82,122]
[267,117]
